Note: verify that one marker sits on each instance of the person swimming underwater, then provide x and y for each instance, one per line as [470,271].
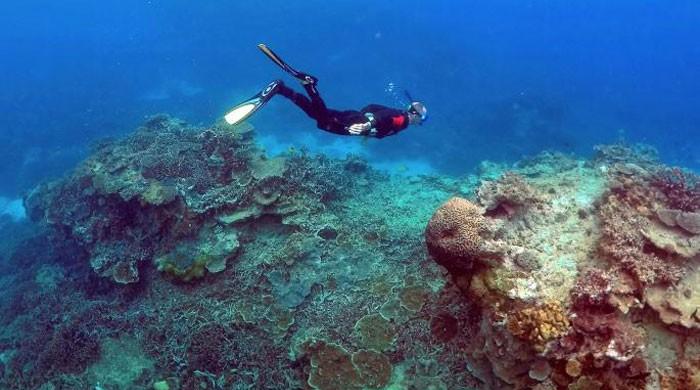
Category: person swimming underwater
[373,120]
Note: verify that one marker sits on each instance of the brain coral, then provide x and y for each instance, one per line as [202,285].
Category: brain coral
[453,235]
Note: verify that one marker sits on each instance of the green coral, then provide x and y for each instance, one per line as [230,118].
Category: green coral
[192,259]
[158,194]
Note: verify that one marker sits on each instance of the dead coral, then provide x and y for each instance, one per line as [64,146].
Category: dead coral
[454,234]
[508,195]
[677,305]
[688,221]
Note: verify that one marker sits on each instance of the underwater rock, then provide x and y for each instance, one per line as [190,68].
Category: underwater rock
[508,194]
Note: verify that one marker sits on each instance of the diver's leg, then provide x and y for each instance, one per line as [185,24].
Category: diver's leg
[300,100]
[316,100]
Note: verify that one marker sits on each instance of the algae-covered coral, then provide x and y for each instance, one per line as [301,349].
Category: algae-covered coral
[210,265]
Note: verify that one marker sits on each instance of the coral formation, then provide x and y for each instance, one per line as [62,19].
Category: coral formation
[584,273]
[539,325]
[303,271]
[332,367]
[454,234]
[374,332]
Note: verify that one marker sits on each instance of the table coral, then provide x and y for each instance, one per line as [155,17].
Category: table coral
[678,304]
[374,368]
[332,368]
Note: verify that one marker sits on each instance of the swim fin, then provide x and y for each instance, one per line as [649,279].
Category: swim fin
[303,77]
[244,110]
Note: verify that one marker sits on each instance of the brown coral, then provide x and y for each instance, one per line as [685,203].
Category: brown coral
[332,368]
[374,332]
[453,235]
[374,368]
[539,324]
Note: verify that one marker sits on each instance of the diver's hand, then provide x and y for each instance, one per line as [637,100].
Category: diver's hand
[360,128]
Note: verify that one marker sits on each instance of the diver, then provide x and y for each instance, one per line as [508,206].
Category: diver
[373,120]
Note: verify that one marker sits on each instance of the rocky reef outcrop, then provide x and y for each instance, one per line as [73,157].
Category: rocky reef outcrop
[171,196]
[587,276]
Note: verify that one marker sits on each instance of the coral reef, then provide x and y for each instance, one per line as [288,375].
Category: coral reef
[596,258]
[182,258]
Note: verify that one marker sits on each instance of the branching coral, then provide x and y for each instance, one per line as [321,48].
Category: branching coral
[623,242]
[71,349]
[680,189]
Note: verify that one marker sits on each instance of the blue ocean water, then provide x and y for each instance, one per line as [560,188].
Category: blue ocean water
[501,79]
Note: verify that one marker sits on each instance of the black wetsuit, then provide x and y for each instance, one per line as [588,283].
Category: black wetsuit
[387,121]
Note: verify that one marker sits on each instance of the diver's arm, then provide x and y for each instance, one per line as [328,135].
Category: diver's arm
[386,121]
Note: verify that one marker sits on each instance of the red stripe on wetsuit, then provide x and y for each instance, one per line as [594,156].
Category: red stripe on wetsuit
[398,121]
